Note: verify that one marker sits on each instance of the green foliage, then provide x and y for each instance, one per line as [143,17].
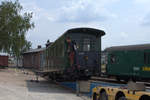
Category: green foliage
[13,27]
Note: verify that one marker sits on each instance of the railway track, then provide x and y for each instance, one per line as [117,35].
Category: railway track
[114,81]
[104,79]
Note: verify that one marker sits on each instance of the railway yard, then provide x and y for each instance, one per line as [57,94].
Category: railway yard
[15,85]
[92,50]
[78,71]
[21,84]
[84,62]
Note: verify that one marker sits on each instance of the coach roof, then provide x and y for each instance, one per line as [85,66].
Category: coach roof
[97,32]
[129,47]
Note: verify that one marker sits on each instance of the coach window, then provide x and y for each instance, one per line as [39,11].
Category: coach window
[52,51]
[93,45]
[112,59]
[86,44]
[57,50]
[62,49]
[49,52]
[147,58]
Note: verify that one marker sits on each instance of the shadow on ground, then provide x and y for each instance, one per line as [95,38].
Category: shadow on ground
[44,86]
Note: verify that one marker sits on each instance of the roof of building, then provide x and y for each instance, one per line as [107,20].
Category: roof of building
[3,54]
[34,50]
[129,47]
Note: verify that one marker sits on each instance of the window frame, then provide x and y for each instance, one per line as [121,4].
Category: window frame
[111,60]
[146,57]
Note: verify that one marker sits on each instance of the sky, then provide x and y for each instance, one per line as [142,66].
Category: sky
[125,22]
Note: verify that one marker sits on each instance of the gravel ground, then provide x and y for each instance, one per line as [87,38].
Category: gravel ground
[15,85]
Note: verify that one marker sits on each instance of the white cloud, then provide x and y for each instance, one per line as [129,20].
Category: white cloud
[101,14]
[38,13]
[85,11]
[73,11]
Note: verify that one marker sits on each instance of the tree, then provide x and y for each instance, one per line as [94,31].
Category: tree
[13,27]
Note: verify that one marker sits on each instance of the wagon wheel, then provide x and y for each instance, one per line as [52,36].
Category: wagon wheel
[122,98]
[103,96]
[118,79]
[95,96]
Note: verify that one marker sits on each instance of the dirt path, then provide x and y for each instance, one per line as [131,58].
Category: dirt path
[14,85]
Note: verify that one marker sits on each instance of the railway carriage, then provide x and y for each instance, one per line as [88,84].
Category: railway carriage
[75,54]
[128,62]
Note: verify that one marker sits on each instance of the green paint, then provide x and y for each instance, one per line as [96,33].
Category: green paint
[128,63]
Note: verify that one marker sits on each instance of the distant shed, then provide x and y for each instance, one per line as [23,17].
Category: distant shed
[34,58]
[3,61]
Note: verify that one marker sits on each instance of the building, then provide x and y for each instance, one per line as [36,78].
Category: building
[3,61]
[34,58]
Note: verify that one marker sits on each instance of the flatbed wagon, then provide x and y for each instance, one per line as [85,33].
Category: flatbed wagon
[119,93]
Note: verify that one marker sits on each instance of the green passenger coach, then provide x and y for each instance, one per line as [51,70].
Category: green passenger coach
[129,62]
